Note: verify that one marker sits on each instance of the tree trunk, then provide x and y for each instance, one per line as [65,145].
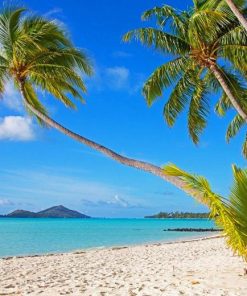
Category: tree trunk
[148,167]
[237,13]
[221,79]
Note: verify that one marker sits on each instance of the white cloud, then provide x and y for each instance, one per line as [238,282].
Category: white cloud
[117,77]
[11,97]
[16,128]
[5,202]
[114,78]
[115,202]
[46,187]
[120,201]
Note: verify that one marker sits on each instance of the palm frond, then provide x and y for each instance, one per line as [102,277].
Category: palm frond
[229,214]
[238,87]
[223,105]
[162,77]
[235,125]
[179,97]
[158,39]
[9,28]
[167,13]
[198,110]
[237,238]
[39,54]
[33,100]
[210,22]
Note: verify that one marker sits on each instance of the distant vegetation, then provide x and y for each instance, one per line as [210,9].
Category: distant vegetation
[179,215]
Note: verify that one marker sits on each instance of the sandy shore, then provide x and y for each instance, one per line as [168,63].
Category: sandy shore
[203,267]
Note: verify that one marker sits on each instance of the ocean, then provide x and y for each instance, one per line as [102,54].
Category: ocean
[27,236]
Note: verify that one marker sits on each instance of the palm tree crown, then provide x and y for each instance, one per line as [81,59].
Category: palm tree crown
[37,54]
[204,41]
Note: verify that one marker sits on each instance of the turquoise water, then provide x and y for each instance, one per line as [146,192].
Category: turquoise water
[38,236]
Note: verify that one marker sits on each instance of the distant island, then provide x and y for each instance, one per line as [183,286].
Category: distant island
[53,212]
[163,215]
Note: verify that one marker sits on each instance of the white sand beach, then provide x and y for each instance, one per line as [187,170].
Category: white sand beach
[202,267]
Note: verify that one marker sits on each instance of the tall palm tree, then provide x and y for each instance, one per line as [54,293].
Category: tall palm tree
[230,213]
[37,54]
[200,41]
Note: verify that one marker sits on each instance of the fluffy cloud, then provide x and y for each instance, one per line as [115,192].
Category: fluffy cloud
[115,202]
[5,202]
[117,77]
[16,128]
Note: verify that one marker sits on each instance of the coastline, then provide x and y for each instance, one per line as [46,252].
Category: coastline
[202,266]
[155,243]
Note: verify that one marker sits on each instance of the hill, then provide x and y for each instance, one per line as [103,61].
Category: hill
[22,214]
[53,212]
[60,212]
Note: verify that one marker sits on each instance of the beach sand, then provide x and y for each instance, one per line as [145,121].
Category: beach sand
[202,267]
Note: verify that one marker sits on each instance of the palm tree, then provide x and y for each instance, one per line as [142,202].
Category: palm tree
[229,214]
[37,54]
[237,13]
[200,40]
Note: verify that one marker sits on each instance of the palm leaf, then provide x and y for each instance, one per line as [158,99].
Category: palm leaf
[198,110]
[179,97]
[229,214]
[166,13]
[33,100]
[235,125]
[162,41]
[162,77]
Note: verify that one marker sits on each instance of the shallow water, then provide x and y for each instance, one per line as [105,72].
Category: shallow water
[21,236]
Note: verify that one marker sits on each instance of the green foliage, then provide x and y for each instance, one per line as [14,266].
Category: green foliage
[165,215]
[207,34]
[224,104]
[38,55]
[229,214]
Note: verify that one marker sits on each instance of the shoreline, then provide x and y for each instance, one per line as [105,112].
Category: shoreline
[202,266]
[115,247]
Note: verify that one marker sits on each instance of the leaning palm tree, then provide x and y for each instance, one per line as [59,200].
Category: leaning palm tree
[38,55]
[200,40]
[229,214]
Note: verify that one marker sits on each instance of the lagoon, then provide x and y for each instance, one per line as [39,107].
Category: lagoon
[28,236]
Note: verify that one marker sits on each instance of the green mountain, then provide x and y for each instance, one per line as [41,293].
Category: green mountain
[53,212]
[60,212]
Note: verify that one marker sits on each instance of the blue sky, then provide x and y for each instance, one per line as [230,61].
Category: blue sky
[41,168]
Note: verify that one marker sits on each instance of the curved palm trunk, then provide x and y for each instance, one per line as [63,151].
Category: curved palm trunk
[237,13]
[218,75]
[148,167]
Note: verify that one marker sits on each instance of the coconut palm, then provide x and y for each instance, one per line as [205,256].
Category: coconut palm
[200,41]
[229,214]
[38,55]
